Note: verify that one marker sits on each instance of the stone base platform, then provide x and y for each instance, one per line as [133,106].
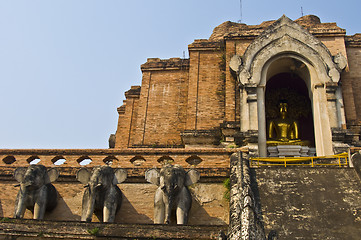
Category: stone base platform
[35,229]
[290,151]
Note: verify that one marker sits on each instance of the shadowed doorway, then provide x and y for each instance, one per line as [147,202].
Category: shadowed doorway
[291,88]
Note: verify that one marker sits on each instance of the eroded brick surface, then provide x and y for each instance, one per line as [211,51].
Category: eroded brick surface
[309,203]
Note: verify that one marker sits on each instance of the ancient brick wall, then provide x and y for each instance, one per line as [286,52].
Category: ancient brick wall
[351,80]
[162,105]
[335,44]
[230,84]
[127,118]
[206,96]
[209,95]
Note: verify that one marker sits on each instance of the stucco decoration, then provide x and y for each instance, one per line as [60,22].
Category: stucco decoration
[235,63]
[334,74]
[341,61]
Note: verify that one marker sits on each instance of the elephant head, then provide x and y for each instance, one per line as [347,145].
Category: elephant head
[36,191]
[172,192]
[102,192]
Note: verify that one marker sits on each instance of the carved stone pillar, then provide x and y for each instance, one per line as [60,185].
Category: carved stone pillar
[251,90]
[331,88]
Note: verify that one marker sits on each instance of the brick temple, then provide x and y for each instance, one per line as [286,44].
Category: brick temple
[218,96]
[216,112]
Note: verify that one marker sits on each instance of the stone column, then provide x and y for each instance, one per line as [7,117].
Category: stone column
[262,139]
[321,119]
[244,115]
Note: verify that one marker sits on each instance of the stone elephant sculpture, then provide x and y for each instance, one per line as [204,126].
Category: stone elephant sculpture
[102,192]
[172,192]
[36,191]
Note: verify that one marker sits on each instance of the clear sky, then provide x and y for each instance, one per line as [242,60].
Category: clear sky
[65,64]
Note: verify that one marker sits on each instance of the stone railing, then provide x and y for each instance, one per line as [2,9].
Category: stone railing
[125,158]
[245,222]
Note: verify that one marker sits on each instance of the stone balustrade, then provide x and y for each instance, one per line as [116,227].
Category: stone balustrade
[125,158]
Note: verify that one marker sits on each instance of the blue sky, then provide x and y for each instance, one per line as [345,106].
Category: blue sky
[65,64]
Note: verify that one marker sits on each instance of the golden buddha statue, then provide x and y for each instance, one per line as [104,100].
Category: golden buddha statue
[284,130]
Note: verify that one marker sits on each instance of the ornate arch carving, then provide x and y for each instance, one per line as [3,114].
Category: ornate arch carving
[287,37]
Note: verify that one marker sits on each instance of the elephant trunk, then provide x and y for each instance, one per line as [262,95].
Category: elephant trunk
[91,203]
[168,210]
[90,206]
[168,207]
[21,198]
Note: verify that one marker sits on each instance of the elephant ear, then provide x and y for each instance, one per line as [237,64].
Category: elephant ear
[119,176]
[52,175]
[83,176]
[152,175]
[192,176]
[19,174]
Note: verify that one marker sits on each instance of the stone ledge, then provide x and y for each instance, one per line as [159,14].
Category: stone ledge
[353,41]
[133,92]
[201,138]
[165,64]
[204,44]
[125,151]
[35,229]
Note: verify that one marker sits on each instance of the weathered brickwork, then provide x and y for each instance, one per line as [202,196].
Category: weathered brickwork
[127,116]
[201,93]
[210,94]
[162,104]
[334,44]
[351,80]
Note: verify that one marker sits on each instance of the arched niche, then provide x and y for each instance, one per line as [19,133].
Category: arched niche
[288,80]
[314,76]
